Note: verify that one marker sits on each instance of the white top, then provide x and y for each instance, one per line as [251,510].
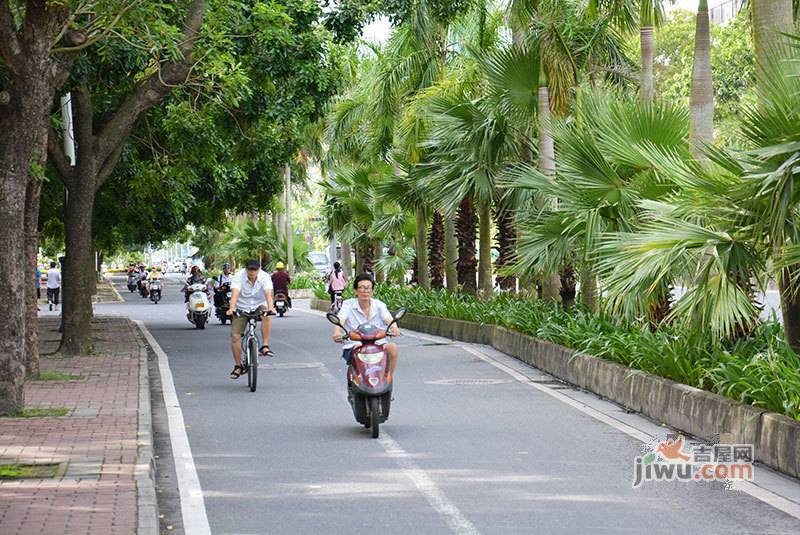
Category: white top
[352,316]
[251,295]
[53,278]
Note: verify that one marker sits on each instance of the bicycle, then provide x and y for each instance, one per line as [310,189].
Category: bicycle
[250,344]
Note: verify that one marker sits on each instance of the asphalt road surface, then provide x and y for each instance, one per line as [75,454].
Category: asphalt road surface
[468,448]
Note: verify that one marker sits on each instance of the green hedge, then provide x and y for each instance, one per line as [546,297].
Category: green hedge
[760,370]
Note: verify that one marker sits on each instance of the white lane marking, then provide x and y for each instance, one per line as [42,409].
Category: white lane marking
[193,507]
[436,498]
[767,496]
[760,493]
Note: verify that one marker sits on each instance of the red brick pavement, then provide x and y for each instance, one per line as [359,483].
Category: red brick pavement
[94,491]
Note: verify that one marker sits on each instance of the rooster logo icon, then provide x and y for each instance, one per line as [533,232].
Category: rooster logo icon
[670,450]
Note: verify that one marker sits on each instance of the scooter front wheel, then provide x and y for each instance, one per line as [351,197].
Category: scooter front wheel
[374,415]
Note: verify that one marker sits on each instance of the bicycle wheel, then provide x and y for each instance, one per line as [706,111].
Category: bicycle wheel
[252,373]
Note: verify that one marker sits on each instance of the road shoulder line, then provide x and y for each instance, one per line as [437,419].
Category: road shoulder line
[193,509]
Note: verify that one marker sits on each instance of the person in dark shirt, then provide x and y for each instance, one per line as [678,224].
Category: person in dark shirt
[280,282]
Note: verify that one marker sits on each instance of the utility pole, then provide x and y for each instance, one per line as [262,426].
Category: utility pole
[287,175]
[69,151]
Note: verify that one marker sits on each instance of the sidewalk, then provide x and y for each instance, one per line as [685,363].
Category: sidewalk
[97,445]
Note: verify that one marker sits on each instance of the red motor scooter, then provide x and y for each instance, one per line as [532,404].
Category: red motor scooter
[369,383]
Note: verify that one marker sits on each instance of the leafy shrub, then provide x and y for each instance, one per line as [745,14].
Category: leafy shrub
[760,370]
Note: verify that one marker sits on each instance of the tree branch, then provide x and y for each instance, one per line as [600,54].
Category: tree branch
[57,157]
[109,165]
[10,49]
[154,89]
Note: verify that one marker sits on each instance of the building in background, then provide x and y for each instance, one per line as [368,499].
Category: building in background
[725,11]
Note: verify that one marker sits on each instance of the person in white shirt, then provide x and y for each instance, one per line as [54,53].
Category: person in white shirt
[53,285]
[251,290]
[362,309]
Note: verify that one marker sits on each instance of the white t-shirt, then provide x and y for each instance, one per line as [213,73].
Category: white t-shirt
[53,278]
[251,295]
[352,316]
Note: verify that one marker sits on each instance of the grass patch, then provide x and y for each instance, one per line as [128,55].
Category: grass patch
[21,471]
[40,413]
[54,376]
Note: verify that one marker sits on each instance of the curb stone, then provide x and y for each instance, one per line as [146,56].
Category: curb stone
[147,503]
[113,289]
[709,416]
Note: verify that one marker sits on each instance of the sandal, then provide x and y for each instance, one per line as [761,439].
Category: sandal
[267,353]
[237,372]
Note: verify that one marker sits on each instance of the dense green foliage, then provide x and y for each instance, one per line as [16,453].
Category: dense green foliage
[217,145]
[759,370]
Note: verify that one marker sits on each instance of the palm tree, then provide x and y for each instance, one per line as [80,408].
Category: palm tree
[702,95]
[770,19]
[649,14]
[604,172]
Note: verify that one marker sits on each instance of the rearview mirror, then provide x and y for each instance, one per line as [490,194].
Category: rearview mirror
[333,318]
[399,314]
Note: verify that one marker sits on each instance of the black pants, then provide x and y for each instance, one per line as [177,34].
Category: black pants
[52,294]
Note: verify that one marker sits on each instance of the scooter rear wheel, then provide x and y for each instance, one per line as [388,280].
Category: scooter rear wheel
[374,415]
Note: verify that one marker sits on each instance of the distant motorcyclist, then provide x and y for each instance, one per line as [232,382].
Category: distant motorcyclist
[222,285]
[336,281]
[195,277]
[280,282]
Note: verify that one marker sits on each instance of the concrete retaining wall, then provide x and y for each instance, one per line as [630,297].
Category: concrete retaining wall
[697,412]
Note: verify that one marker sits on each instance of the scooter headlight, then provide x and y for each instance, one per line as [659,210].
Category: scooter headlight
[370,358]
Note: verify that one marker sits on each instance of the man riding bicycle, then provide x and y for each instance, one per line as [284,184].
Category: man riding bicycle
[251,290]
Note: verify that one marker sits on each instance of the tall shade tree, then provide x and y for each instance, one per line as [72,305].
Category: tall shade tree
[99,146]
[39,41]
[702,94]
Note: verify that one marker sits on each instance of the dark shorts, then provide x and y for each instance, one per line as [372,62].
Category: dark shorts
[52,294]
[347,355]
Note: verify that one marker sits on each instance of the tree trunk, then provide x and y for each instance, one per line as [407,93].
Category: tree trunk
[790,308]
[436,251]
[551,283]
[450,253]
[567,292]
[77,280]
[702,97]
[25,102]
[31,304]
[588,288]
[485,279]
[770,18]
[467,263]
[422,248]
[359,258]
[347,260]
[648,46]
[506,242]
[368,258]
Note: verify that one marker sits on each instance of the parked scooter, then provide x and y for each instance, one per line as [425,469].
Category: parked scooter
[222,295]
[155,290]
[198,307]
[369,383]
[281,303]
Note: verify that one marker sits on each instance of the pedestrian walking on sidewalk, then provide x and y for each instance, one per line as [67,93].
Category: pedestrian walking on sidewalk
[38,286]
[53,286]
